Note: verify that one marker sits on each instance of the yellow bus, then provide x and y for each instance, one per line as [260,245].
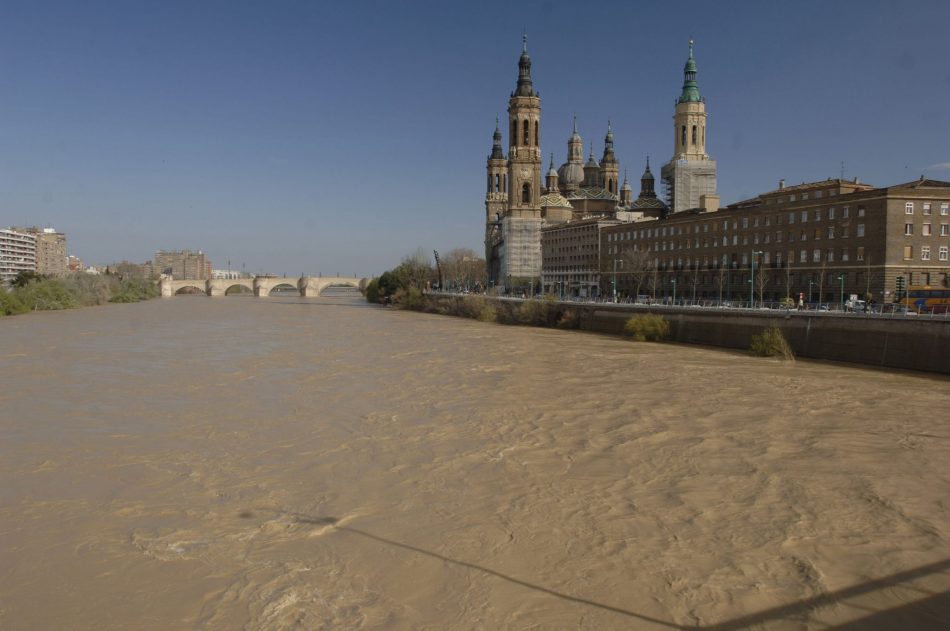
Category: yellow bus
[927,299]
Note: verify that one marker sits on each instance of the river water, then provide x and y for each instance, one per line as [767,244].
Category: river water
[321,463]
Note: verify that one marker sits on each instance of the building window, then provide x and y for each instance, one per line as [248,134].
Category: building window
[830,256]
[817,194]
[844,256]
[926,208]
[803,236]
[803,256]
[778,236]
[526,192]
[818,215]
[845,212]
[804,196]
[683,136]
[909,208]
[816,256]
[817,233]
[791,218]
[831,213]
[860,211]
[831,232]
[860,254]
[908,252]
[791,198]
[908,229]
[925,253]
[735,239]
[745,222]
[944,230]
[694,135]
[804,216]
[942,254]
[860,231]
[945,209]
[926,230]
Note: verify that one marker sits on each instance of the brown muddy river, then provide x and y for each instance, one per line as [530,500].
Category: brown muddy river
[242,463]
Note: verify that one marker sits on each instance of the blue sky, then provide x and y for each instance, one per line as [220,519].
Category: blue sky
[337,137]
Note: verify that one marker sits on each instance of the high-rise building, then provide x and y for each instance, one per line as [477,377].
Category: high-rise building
[51,258]
[691,173]
[17,254]
[182,264]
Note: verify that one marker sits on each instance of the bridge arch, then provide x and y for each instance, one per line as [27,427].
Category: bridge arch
[285,285]
[191,288]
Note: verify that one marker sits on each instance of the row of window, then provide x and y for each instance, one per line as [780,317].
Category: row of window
[942,253]
[927,230]
[766,258]
[927,208]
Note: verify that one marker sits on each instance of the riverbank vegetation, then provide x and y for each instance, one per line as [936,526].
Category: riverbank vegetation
[771,343]
[30,292]
[647,327]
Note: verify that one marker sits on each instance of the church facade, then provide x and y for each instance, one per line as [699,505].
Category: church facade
[520,209]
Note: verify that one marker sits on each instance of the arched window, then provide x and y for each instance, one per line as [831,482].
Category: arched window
[504,183]
[537,137]
[694,135]
[683,136]
[514,133]
[497,183]
[526,132]
[526,193]
[489,182]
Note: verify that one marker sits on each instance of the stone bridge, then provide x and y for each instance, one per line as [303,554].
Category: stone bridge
[262,286]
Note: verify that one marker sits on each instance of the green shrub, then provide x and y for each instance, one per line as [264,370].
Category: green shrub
[771,343]
[647,327]
[372,291]
[10,304]
[410,299]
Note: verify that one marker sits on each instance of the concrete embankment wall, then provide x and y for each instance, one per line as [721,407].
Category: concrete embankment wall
[911,343]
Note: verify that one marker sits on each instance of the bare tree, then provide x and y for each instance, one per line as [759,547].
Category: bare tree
[721,279]
[694,279]
[464,268]
[636,265]
[762,281]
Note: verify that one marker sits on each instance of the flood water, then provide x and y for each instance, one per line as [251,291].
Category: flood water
[279,463]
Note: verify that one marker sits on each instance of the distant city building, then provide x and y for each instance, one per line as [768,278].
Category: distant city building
[17,254]
[182,264]
[517,206]
[140,271]
[820,240]
[225,274]
[571,255]
[50,250]
[74,264]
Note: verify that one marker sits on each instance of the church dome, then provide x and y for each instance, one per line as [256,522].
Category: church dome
[570,173]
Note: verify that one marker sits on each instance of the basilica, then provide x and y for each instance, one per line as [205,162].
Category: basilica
[518,206]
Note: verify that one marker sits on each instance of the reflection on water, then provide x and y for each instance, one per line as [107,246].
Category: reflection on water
[323,463]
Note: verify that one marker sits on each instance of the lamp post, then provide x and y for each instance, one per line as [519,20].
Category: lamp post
[752,279]
[841,278]
[674,291]
[614,282]
[810,283]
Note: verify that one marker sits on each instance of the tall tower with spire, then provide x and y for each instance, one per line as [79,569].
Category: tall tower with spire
[691,173]
[496,197]
[609,168]
[519,249]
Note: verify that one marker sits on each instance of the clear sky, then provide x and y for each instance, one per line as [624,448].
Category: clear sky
[339,136]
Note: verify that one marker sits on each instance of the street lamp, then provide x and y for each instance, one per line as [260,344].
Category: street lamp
[752,280]
[841,278]
[810,283]
[615,277]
